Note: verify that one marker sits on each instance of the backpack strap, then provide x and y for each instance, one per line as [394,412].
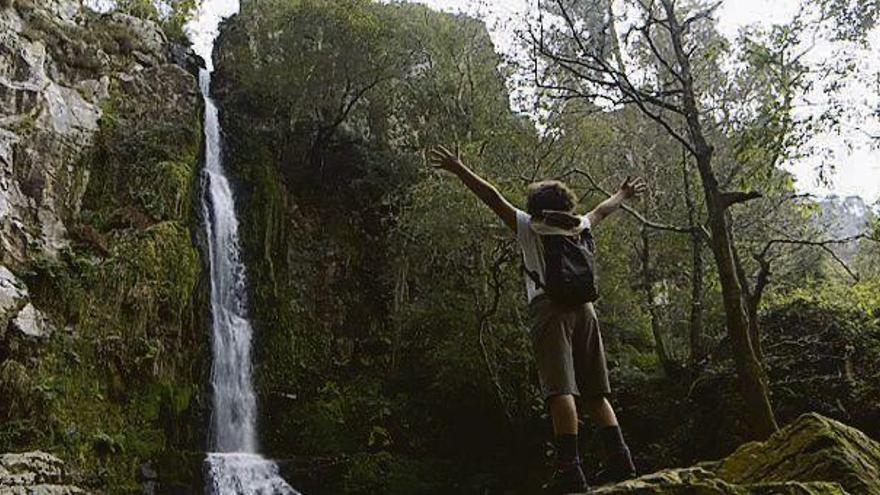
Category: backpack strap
[532,275]
[587,236]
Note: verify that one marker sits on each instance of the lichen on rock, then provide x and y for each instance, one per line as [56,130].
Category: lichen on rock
[814,455]
[813,448]
[702,482]
[34,473]
[31,323]
[12,293]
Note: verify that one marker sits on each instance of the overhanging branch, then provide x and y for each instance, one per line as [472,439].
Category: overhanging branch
[731,198]
[634,213]
[824,245]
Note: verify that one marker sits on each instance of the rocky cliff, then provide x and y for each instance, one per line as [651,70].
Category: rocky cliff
[101,350]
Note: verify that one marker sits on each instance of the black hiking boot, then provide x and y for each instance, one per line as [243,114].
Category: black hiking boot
[618,467]
[567,479]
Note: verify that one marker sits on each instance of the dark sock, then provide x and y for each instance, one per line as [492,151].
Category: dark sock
[618,461]
[566,449]
[612,440]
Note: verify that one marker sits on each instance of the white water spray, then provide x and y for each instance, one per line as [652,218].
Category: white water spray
[234,467]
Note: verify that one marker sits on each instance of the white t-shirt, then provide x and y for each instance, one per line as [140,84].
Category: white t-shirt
[532,249]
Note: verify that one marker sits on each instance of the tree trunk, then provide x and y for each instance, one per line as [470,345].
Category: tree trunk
[666,361]
[755,328]
[752,383]
[751,377]
[696,330]
[754,304]
[752,298]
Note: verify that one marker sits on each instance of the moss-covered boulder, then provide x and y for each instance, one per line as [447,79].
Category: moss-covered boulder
[699,481]
[813,448]
[811,456]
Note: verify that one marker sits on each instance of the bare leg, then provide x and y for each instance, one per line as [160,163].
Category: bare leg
[600,411]
[564,414]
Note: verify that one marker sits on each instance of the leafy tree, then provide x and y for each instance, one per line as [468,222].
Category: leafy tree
[400,296]
[673,73]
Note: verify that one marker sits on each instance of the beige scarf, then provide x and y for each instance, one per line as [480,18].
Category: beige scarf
[550,222]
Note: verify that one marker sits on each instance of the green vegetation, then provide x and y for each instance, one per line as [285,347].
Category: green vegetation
[388,304]
[119,384]
[171,15]
[392,354]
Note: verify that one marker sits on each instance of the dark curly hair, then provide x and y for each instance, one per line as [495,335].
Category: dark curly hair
[549,195]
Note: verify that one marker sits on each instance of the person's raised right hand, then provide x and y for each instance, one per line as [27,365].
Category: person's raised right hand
[633,187]
[441,158]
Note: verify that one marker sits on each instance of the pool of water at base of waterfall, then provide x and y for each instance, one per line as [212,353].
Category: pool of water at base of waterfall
[236,473]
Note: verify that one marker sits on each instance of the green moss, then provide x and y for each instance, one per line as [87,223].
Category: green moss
[697,481]
[144,169]
[122,388]
[120,383]
[813,448]
[269,215]
[134,328]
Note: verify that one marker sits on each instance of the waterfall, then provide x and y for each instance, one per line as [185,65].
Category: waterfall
[234,466]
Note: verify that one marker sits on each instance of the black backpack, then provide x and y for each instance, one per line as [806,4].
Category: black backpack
[569,269]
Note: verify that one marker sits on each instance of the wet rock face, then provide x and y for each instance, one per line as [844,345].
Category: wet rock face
[60,65]
[35,473]
[23,325]
[57,64]
[12,293]
[812,456]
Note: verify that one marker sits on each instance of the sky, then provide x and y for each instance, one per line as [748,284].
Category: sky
[857,166]
[203,29]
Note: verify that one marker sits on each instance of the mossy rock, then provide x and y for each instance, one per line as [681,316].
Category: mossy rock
[813,455]
[812,448]
[698,481]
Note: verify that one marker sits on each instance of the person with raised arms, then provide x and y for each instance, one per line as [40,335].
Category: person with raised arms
[559,263]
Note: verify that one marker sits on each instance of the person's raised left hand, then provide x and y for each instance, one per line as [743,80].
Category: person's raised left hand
[442,158]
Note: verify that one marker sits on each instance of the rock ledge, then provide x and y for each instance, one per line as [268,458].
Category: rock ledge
[34,473]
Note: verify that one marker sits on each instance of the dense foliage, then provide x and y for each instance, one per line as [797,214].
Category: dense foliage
[393,355]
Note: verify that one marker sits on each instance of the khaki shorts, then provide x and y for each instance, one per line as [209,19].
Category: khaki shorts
[568,349]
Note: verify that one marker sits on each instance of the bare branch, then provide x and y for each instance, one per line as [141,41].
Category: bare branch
[703,14]
[731,198]
[824,245]
[595,63]
[821,243]
[638,216]
[842,263]
[645,30]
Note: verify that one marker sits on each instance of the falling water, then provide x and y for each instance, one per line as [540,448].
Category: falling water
[234,466]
